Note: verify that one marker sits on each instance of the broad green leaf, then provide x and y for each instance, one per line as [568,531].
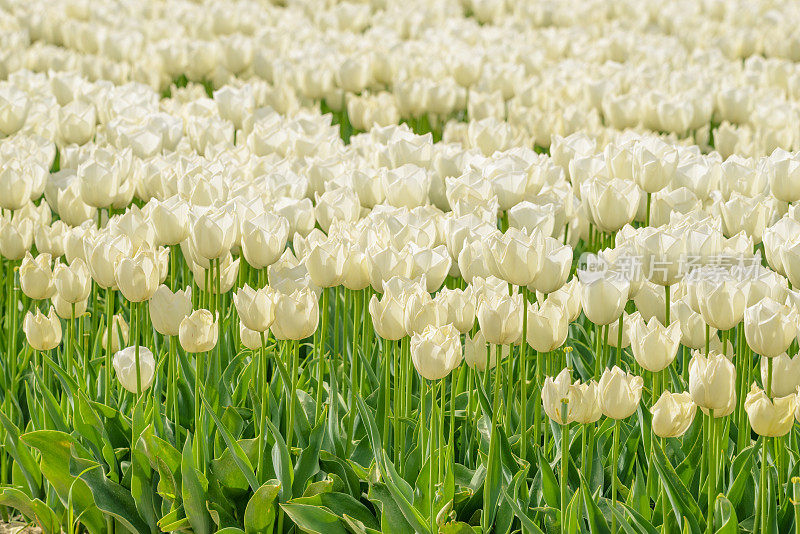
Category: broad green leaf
[33,509]
[725,521]
[683,504]
[314,519]
[193,489]
[259,515]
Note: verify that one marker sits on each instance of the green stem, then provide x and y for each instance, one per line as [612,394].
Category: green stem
[295,355]
[262,430]
[430,457]
[523,386]
[762,488]
[614,463]
[564,463]
[321,350]
[109,337]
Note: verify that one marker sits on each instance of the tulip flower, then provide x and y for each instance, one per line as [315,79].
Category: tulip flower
[611,203]
[654,346]
[663,251]
[72,282]
[168,309]
[198,332]
[547,326]
[43,332]
[125,368]
[138,277]
[388,316]
[16,238]
[619,393]
[476,351]
[712,383]
[517,256]
[556,264]
[721,302]
[770,327]
[256,307]
[421,311]
[296,315]
[436,351]
[673,414]
[770,417]
[603,296]
[104,254]
[36,276]
[326,261]
[212,234]
[64,309]
[500,318]
[250,338]
[785,374]
[461,307]
[693,328]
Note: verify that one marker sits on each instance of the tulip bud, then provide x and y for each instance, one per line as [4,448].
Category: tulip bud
[256,307]
[170,220]
[119,334]
[500,318]
[102,259]
[518,256]
[721,302]
[770,327]
[296,315]
[99,183]
[693,328]
[476,350]
[264,239]
[611,203]
[168,309]
[16,238]
[673,414]
[603,296]
[138,277]
[785,374]
[36,277]
[64,309]
[619,393]
[421,311]
[770,417]
[556,264]
[712,382]
[15,186]
[43,332]
[250,338]
[388,315]
[586,405]
[436,351]
[356,269]
[547,326]
[326,261]
[72,282]
[212,234]
[198,332]
[461,307]
[125,368]
[654,346]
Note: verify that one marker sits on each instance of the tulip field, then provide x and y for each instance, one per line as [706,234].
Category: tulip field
[429,267]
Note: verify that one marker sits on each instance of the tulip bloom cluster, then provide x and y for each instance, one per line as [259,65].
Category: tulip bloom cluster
[291,268]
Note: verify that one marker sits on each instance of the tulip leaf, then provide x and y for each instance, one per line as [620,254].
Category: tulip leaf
[33,509]
[22,456]
[682,502]
[597,523]
[55,448]
[194,487]
[550,486]
[528,523]
[259,515]
[239,457]
[308,462]
[342,505]
[394,482]
[314,519]
[282,462]
[725,520]
[741,471]
[109,496]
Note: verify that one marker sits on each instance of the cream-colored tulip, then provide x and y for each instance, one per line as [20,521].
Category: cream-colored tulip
[517,256]
[785,374]
[476,351]
[654,346]
[585,398]
[619,393]
[170,220]
[461,307]
[168,309]
[422,311]
[212,234]
[125,367]
[770,327]
[43,332]
[138,277]
[556,264]
[296,315]
[721,302]
[693,328]
[500,318]
[250,338]
[119,334]
[68,310]
[436,351]
[712,382]
[36,276]
[198,332]
[603,296]
[104,254]
[770,417]
[547,326]
[73,282]
[673,414]
[256,307]
[326,261]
